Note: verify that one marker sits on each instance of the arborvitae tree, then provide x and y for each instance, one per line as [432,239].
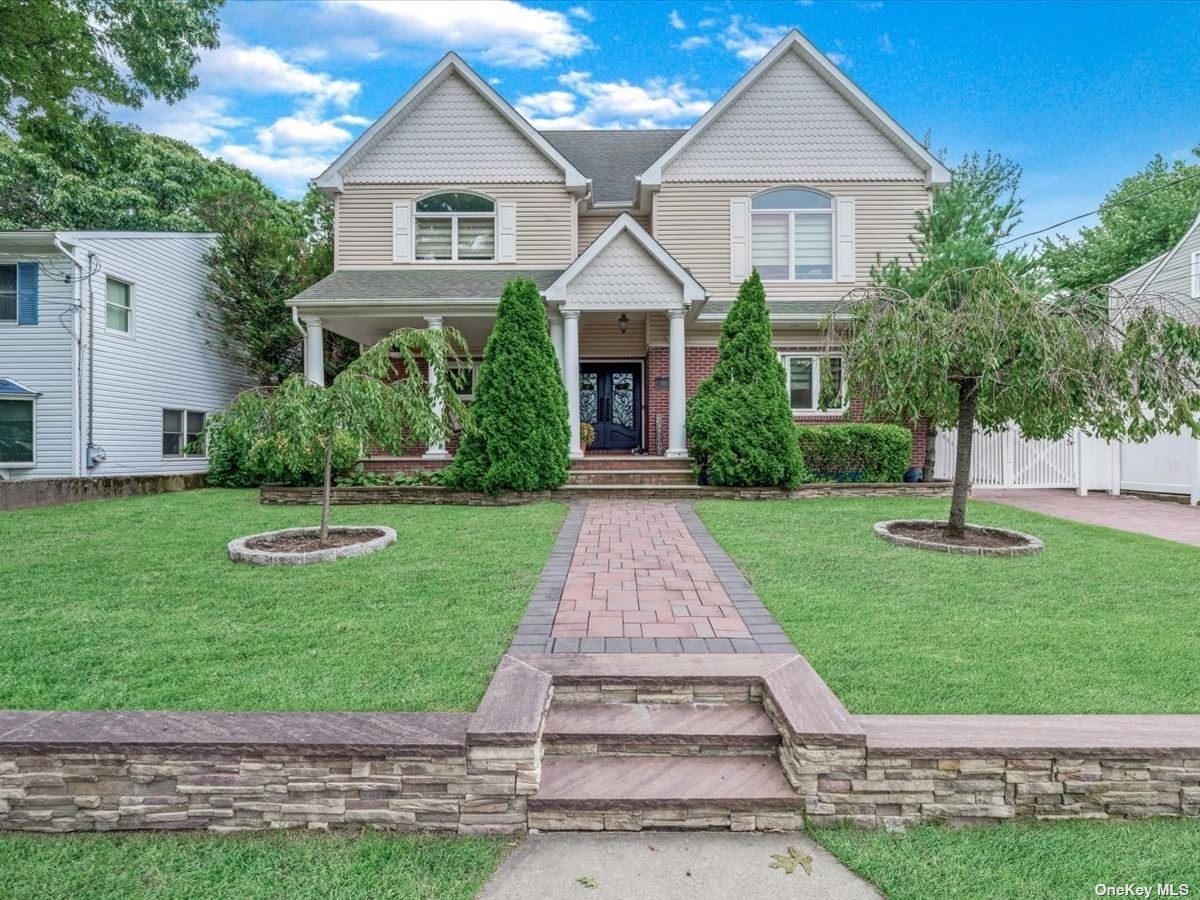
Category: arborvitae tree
[520,434]
[740,421]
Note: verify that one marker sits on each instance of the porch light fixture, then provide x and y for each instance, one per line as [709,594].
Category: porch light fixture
[623,323]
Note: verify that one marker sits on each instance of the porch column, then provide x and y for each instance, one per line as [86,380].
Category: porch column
[677,394]
[556,338]
[571,375]
[435,450]
[314,352]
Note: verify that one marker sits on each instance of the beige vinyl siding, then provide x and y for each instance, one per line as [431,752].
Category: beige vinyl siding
[708,334]
[600,336]
[591,226]
[363,223]
[692,221]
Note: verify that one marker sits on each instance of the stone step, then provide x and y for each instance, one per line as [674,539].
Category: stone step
[617,726]
[630,476]
[628,461]
[625,783]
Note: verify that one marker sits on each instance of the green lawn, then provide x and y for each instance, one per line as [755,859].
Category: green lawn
[1052,861]
[1102,622]
[133,604]
[245,867]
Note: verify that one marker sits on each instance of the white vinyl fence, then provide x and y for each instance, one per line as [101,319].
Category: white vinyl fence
[1168,464]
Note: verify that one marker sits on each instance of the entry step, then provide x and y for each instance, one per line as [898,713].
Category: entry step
[661,724]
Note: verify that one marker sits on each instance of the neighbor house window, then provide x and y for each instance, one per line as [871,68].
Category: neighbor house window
[1195,276]
[791,235]
[182,428]
[456,227]
[804,382]
[463,377]
[8,293]
[118,306]
[16,431]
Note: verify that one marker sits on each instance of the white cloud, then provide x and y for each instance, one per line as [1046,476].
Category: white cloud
[261,70]
[613,104]
[676,20]
[707,23]
[694,42]
[504,32]
[749,40]
[293,132]
[885,43]
[199,119]
[841,60]
[289,172]
[582,12]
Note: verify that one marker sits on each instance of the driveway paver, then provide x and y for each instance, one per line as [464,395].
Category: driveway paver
[1157,518]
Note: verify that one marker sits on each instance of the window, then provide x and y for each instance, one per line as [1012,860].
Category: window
[180,429]
[804,381]
[16,431]
[464,377]
[8,293]
[791,235]
[118,306]
[1195,277]
[456,227]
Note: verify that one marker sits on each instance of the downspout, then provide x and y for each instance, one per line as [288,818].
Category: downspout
[303,339]
[76,358]
[91,364]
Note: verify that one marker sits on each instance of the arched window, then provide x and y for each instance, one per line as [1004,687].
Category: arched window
[791,235]
[456,226]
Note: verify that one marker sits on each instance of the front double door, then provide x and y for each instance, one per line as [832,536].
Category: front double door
[610,398]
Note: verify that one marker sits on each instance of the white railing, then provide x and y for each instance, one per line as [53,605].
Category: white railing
[1004,459]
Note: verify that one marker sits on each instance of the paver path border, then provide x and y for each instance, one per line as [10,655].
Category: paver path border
[762,634]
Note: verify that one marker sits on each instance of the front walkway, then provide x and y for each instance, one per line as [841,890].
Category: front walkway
[644,578]
[1157,518]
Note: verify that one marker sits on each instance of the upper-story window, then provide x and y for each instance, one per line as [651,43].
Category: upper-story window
[456,226]
[8,293]
[791,235]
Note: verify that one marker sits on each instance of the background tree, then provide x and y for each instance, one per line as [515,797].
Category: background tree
[960,232]
[740,420]
[521,432]
[984,346]
[380,399]
[60,57]
[1145,215]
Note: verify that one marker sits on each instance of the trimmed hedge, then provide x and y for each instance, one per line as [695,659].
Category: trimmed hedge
[855,452]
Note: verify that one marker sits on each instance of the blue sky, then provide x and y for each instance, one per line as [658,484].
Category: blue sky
[1080,94]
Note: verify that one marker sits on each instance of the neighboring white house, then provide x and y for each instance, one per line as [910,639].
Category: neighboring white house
[106,366]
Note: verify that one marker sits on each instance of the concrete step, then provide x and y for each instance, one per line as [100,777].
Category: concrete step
[615,783]
[628,461]
[631,476]
[660,726]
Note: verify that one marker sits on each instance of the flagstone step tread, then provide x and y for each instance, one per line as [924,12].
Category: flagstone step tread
[663,724]
[640,782]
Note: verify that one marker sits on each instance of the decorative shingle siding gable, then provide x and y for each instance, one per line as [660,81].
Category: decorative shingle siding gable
[452,134]
[792,125]
[624,276]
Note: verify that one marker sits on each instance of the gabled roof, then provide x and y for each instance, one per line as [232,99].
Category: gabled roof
[795,42]
[1137,277]
[1168,256]
[613,160]
[693,292]
[451,63]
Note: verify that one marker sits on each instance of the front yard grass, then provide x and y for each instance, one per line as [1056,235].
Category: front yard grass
[1102,622]
[1045,861]
[245,867]
[133,604]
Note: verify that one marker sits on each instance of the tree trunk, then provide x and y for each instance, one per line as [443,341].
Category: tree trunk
[328,488]
[930,450]
[968,399]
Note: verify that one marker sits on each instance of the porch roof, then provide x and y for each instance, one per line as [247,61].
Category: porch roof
[782,310]
[419,284]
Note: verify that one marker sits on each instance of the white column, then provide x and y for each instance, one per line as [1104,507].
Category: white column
[571,375]
[314,352]
[1194,471]
[677,393]
[436,450]
[556,338]
[1081,479]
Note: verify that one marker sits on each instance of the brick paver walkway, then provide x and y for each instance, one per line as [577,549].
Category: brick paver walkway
[645,578]
[1158,518]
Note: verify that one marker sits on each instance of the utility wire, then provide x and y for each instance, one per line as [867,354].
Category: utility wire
[1103,206]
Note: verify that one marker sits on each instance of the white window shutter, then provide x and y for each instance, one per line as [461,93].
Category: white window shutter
[739,239]
[506,248]
[845,239]
[402,231]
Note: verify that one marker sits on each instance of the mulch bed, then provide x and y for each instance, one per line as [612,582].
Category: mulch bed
[975,536]
[306,541]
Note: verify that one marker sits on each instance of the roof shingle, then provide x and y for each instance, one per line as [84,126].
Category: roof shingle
[613,159]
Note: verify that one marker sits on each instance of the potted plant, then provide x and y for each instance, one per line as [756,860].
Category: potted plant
[587,435]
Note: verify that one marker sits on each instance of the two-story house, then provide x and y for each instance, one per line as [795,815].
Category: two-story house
[107,366]
[638,240]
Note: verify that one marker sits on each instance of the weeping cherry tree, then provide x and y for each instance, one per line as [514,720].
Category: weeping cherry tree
[984,346]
